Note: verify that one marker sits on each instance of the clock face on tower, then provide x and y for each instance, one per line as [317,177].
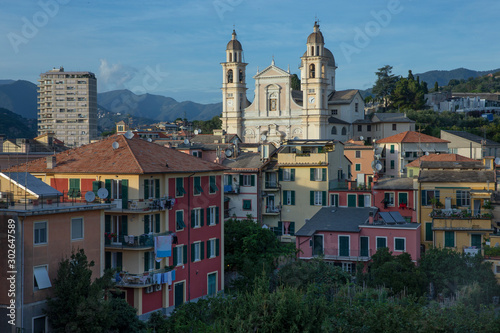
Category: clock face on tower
[229,102]
[311,100]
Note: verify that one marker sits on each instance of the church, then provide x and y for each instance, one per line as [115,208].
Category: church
[315,112]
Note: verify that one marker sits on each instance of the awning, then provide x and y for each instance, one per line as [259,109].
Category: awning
[42,277]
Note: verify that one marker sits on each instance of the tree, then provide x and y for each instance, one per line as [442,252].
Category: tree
[79,304]
[436,87]
[295,82]
[385,84]
[208,126]
[408,94]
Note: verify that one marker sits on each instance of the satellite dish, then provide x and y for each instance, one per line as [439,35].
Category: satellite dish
[263,137]
[115,145]
[186,141]
[427,153]
[373,165]
[129,135]
[228,152]
[102,193]
[150,140]
[378,165]
[296,138]
[196,132]
[497,160]
[89,196]
[199,131]
[361,138]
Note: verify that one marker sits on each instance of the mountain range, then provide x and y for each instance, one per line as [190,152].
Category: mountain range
[444,77]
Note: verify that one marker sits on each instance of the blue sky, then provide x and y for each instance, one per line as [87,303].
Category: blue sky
[174,48]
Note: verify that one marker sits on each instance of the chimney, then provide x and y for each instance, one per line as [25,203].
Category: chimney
[51,162]
[370,218]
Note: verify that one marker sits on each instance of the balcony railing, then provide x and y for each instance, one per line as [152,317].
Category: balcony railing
[131,241]
[231,189]
[457,214]
[272,210]
[337,184]
[346,254]
[125,279]
[271,184]
[472,250]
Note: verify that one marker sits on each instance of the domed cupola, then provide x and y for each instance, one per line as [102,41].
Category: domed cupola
[316,37]
[234,50]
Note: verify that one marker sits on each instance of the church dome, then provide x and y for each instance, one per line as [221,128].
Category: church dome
[316,37]
[234,44]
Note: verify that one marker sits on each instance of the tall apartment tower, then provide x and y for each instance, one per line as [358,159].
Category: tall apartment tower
[67,106]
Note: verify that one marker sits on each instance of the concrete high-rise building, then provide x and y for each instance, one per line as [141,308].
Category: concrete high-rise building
[67,106]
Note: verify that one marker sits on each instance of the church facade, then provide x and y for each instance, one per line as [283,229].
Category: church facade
[278,113]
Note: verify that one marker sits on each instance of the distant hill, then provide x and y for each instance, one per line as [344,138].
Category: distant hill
[15,126]
[7,81]
[444,77]
[159,108]
[19,97]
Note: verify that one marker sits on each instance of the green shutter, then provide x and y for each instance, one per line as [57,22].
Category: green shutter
[201,217]
[252,180]
[208,250]
[192,252]
[361,200]
[217,247]
[174,255]
[146,188]
[216,215]
[323,176]
[157,188]
[146,224]
[280,174]
[185,254]
[157,223]
[230,180]
[311,174]
[124,225]
[323,198]
[293,197]
[119,261]
[351,200]
[292,174]
[241,180]
[146,261]
[291,229]
[311,198]
[192,218]
[364,247]
[107,260]
[96,186]
[279,231]
[107,223]
[428,231]
[157,264]
[202,250]
[449,239]
[208,216]
[124,194]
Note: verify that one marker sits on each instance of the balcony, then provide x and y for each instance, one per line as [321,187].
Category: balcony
[231,189]
[125,279]
[346,254]
[304,158]
[338,184]
[271,210]
[472,250]
[111,240]
[457,214]
[271,185]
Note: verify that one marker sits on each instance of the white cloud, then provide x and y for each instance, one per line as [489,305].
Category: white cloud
[114,76]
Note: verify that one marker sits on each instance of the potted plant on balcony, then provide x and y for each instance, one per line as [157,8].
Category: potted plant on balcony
[487,204]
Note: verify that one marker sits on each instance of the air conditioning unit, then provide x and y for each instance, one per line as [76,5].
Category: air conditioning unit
[149,289]
[158,287]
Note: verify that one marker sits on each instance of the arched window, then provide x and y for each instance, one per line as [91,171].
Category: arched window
[317,50]
[273,101]
[230,76]
[230,57]
[312,50]
[312,70]
[241,78]
[323,73]
[334,130]
[344,131]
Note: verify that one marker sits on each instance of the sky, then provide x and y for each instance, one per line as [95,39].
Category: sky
[174,48]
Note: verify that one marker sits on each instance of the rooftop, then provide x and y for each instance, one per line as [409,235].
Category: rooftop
[342,96]
[31,184]
[250,161]
[472,137]
[393,184]
[411,137]
[439,158]
[458,176]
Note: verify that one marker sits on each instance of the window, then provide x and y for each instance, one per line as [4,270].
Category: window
[497,269]
[402,199]
[77,228]
[334,200]
[197,251]
[152,188]
[427,195]
[180,255]
[344,246]
[344,130]
[74,188]
[348,267]
[449,239]
[113,260]
[365,249]
[358,153]
[356,107]
[358,167]
[463,198]
[389,199]
[272,102]
[213,186]
[368,128]
[40,233]
[179,220]
[197,186]
[392,164]
[179,187]
[317,174]
[247,204]
[381,242]
[312,69]
[334,130]
[360,128]
[318,198]
[288,174]
[212,215]
[289,198]
[334,113]
[149,261]
[392,149]
[212,284]
[399,244]
[41,278]
[116,189]
[247,180]
[228,180]
[428,232]
[40,324]
[230,76]
[213,248]
[394,127]
[196,218]
[198,154]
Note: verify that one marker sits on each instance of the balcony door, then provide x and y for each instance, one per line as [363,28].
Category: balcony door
[344,246]
[318,245]
[270,203]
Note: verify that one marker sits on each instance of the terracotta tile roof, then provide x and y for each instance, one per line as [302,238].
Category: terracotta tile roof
[133,156]
[411,137]
[440,158]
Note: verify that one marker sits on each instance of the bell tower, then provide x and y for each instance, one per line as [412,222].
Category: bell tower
[234,98]
[315,85]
